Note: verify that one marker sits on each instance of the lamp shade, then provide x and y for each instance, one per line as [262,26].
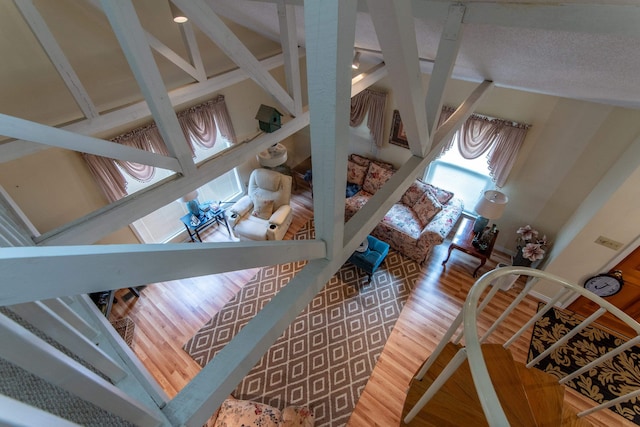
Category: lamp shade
[491,205]
[189,196]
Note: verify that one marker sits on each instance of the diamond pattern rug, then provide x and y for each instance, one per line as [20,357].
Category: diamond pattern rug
[325,357]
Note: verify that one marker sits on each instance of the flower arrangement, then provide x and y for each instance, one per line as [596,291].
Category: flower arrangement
[531,247]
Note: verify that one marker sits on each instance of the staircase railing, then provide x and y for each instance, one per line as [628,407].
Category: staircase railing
[468,317]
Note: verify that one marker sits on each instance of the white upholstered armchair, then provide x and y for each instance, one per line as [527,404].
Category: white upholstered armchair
[264,213]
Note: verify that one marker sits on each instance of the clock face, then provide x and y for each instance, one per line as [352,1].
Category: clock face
[603,285]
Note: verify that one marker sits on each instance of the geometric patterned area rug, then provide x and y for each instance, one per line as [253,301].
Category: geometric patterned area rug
[609,380]
[325,357]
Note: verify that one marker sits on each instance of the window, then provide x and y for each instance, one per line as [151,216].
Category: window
[164,224]
[467,179]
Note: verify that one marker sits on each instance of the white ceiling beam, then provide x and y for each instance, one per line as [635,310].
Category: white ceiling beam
[189,38]
[173,57]
[393,22]
[113,217]
[34,355]
[93,265]
[450,41]
[213,27]
[330,34]
[12,150]
[289,42]
[57,57]
[368,78]
[126,26]
[31,131]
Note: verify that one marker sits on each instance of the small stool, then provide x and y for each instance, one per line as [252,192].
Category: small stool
[372,257]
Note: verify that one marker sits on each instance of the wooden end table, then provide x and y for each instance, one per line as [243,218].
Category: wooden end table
[463,239]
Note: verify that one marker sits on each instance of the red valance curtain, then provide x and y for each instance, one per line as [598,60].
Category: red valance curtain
[480,133]
[373,102]
[198,124]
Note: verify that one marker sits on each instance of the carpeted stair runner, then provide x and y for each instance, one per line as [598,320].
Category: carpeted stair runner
[25,387]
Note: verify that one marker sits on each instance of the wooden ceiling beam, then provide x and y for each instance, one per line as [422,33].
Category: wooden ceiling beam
[128,30]
[213,27]
[393,22]
[330,34]
[93,265]
[47,135]
[289,42]
[12,150]
[450,41]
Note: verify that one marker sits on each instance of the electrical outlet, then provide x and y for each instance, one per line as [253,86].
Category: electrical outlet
[608,243]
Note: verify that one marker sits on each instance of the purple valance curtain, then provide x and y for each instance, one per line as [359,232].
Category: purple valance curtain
[373,102]
[198,124]
[480,134]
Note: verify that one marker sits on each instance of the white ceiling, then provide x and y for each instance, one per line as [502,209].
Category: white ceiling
[593,63]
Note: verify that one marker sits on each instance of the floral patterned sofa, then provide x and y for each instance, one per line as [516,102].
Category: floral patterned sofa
[420,220]
[235,412]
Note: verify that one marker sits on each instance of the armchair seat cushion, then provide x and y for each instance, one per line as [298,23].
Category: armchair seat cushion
[236,412]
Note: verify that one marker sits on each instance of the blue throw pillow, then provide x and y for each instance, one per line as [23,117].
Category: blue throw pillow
[352,189]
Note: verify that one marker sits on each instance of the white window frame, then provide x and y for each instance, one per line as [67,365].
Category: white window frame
[466,183]
[147,229]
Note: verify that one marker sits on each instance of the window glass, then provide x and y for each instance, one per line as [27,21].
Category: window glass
[467,179]
[164,224]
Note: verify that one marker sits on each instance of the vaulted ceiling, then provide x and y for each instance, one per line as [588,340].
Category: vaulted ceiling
[564,54]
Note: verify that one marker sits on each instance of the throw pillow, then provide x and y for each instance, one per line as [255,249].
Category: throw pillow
[234,412]
[262,208]
[376,177]
[359,160]
[426,207]
[297,416]
[443,196]
[352,189]
[356,173]
[413,193]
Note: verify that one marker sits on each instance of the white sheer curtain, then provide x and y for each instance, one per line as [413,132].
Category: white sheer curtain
[198,124]
[480,133]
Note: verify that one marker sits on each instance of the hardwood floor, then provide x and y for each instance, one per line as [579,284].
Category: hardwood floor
[168,314]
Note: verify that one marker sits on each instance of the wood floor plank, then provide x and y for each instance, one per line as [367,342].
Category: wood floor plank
[168,314]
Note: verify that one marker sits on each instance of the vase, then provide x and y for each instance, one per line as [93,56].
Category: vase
[520,260]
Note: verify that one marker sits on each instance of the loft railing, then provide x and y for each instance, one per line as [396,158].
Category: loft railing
[468,317]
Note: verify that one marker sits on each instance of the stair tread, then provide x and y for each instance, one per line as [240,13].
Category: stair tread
[570,419]
[544,394]
[458,398]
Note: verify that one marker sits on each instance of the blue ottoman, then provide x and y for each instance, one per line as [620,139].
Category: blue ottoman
[372,257]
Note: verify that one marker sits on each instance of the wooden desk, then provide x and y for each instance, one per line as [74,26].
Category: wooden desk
[463,239]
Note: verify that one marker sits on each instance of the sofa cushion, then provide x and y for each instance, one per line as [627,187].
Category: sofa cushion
[427,207]
[414,192]
[262,208]
[234,412]
[443,196]
[376,177]
[404,219]
[356,173]
[359,160]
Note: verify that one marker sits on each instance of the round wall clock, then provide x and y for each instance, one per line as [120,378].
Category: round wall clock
[606,284]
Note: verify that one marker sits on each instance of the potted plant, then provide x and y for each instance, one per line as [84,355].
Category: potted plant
[529,247]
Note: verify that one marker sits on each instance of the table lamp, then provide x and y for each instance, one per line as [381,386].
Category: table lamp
[191,199]
[490,206]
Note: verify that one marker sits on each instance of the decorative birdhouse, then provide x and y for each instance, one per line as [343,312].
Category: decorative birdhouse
[268,118]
